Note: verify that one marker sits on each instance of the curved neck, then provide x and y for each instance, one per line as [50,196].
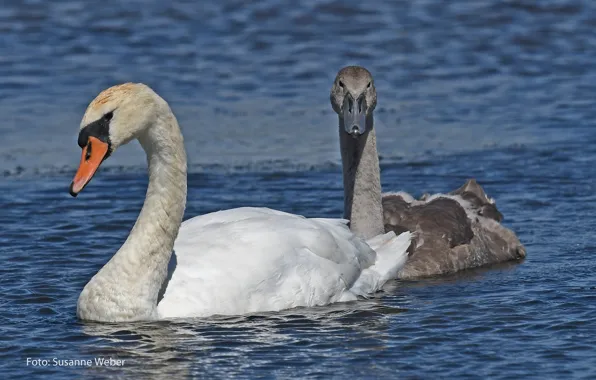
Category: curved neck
[127,287]
[362,181]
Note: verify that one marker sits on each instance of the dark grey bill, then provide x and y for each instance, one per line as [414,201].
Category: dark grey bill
[354,113]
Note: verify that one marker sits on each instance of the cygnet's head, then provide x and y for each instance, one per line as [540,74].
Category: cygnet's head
[115,117]
[353,98]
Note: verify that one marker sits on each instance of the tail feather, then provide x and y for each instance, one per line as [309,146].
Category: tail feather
[392,254]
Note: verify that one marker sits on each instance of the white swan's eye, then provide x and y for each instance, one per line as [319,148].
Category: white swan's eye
[341,84]
[108,116]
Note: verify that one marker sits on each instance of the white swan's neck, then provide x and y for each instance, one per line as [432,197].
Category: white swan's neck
[127,287]
[362,181]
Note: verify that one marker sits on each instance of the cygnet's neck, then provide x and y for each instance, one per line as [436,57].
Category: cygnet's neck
[362,181]
[127,287]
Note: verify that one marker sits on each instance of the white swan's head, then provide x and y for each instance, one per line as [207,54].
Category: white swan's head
[354,98]
[115,117]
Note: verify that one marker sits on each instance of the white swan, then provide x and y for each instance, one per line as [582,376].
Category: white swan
[453,231]
[229,262]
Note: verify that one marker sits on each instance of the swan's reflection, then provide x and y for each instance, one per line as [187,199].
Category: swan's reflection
[239,345]
[235,345]
[468,275]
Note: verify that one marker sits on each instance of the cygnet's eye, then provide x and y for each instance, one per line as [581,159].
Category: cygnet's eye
[368,85]
[108,116]
[341,84]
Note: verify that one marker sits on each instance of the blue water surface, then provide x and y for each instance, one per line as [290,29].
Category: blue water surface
[502,91]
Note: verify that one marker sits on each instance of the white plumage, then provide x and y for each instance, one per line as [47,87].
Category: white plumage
[248,260]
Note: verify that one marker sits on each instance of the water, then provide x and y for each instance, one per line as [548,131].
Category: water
[498,90]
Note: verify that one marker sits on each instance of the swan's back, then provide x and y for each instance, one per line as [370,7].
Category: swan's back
[451,231]
[255,259]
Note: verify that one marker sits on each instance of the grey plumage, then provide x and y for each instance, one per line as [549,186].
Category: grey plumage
[452,231]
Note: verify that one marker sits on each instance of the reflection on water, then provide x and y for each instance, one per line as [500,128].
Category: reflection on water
[470,275]
[233,344]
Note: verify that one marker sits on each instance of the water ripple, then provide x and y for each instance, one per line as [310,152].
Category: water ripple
[497,90]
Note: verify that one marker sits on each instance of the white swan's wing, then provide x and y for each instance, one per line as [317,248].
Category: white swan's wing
[392,254]
[253,259]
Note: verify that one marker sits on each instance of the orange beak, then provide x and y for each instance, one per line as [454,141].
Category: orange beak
[93,155]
